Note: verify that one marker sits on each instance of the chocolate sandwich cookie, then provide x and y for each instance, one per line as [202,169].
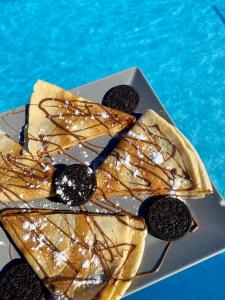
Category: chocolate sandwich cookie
[121,97]
[20,282]
[168,218]
[74,184]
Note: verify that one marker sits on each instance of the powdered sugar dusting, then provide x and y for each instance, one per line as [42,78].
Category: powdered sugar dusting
[175,184]
[139,154]
[156,158]
[86,264]
[26,236]
[30,227]
[137,136]
[90,281]
[135,172]
[60,258]
[105,115]
[40,240]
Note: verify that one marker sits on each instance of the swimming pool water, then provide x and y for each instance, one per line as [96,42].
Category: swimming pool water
[179,45]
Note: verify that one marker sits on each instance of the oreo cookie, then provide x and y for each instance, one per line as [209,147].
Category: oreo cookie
[18,281]
[168,218]
[121,97]
[74,184]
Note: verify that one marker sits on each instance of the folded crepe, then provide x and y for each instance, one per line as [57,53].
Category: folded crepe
[60,119]
[79,255]
[22,177]
[153,158]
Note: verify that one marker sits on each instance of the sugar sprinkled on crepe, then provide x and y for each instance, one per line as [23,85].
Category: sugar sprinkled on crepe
[163,158]
[68,119]
[156,158]
[86,263]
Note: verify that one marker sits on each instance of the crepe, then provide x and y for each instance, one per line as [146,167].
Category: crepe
[22,177]
[60,119]
[79,255]
[154,158]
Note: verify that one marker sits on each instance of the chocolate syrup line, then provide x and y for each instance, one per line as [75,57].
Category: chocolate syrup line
[119,157]
[81,242]
[106,238]
[61,150]
[18,211]
[118,216]
[10,251]
[133,190]
[143,190]
[36,235]
[16,111]
[95,202]
[120,270]
[158,265]
[105,199]
[102,123]
[162,258]
[93,145]
[106,245]
[89,147]
[195,225]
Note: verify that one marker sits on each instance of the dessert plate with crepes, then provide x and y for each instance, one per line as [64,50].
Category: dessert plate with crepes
[151,157]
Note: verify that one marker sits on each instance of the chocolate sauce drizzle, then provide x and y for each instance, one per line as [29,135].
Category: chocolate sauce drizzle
[98,249]
[103,200]
[104,248]
[24,173]
[145,165]
[82,110]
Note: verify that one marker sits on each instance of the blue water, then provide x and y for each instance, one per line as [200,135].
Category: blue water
[179,45]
